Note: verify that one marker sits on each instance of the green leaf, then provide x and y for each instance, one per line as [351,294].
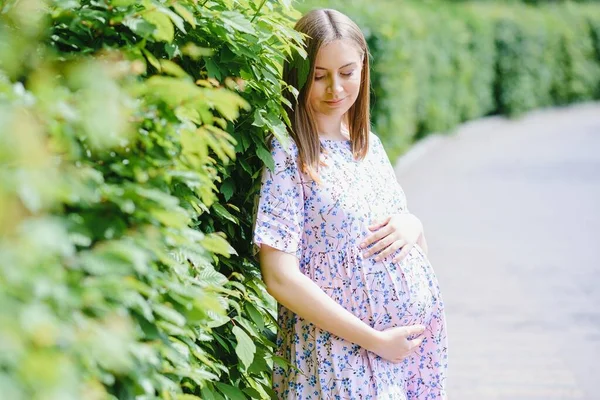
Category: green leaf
[177,20]
[253,393]
[139,26]
[247,325]
[302,65]
[260,362]
[245,165]
[137,302]
[222,212]
[207,394]
[222,342]
[164,30]
[209,276]
[255,315]
[227,189]
[171,68]
[265,157]
[237,21]
[169,314]
[176,217]
[164,199]
[231,392]
[172,50]
[245,348]
[279,129]
[227,103]
[217,244]
[185,13]
[152,60]
[213,69]
[195,52]
[258,119]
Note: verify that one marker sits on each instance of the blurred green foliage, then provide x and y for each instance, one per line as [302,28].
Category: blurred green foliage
[438,63]
[122,200]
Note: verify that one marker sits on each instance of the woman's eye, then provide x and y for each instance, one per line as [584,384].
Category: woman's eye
[348,73]
[319,77]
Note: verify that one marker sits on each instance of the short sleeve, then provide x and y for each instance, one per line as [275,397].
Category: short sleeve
[280,210]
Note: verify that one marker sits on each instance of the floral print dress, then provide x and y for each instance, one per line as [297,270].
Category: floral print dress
[323,225]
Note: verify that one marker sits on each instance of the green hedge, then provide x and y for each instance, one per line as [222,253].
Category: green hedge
[436,64]
[545,56]
[125,260]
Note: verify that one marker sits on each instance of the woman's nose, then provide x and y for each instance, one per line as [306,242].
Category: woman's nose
[335,85]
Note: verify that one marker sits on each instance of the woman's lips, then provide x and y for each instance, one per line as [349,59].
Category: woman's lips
[334,102]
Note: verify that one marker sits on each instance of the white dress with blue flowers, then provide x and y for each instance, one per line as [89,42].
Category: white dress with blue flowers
[323,225]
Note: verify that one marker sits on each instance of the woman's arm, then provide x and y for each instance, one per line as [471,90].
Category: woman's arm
[299,294]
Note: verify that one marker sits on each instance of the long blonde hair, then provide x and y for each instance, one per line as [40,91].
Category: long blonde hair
[321,27]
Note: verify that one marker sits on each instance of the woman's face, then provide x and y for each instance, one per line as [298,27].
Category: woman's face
[336,83]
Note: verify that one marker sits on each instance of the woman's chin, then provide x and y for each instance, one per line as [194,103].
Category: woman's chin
[334,111]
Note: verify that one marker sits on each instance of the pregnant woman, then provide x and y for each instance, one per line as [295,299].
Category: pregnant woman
[360,312]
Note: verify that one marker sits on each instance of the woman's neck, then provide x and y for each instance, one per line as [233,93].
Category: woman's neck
[331,128]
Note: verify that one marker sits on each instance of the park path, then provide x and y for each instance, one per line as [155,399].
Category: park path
[511,211]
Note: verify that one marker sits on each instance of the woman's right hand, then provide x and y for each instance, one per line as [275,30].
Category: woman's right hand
[393,345]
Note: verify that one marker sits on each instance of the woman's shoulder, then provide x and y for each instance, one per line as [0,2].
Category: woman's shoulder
[374,139]
[283,147]
[376,148]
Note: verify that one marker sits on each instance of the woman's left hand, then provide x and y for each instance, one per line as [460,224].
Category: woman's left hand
[398,231]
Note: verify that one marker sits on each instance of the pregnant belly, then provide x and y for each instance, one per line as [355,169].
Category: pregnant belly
[410,290]
[383,294]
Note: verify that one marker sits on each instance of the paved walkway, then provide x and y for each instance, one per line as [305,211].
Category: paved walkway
[512,215]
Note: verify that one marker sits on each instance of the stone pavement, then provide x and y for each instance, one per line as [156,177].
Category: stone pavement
[511,211]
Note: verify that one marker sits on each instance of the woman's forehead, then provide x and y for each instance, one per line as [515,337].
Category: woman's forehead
[338,54]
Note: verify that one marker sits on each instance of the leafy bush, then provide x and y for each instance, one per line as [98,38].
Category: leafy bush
[120,200]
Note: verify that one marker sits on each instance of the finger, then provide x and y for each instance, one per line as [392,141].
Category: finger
[405,250]
[414,330]
[379,224]
[381,245]
[375,237]
[376,225]
[394,246]
[415,344]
